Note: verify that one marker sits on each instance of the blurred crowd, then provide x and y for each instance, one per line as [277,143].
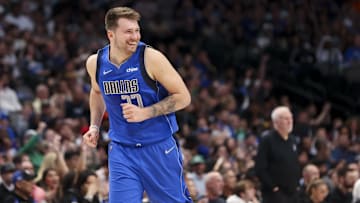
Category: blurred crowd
[239,59]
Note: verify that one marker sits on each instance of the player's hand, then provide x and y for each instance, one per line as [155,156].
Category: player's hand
[133,113]
[91,137]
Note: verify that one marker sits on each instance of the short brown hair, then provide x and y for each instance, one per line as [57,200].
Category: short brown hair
[242,186]
[115,13]
[314,184]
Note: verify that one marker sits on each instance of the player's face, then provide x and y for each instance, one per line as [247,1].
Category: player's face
[126,35]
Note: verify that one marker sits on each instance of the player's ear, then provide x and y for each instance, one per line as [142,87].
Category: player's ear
[110,34]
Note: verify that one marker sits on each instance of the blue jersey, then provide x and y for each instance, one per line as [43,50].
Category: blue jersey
[130,83]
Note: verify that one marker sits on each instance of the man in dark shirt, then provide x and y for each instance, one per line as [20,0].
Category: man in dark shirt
[277,165]
[346,180]
[7,186]
[23,188]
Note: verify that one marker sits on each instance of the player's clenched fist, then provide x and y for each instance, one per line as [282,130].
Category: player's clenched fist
[133,113]
[91,137]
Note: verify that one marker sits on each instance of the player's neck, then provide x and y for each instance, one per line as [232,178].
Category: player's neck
[118,57]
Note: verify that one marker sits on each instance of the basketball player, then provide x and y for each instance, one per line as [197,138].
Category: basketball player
[140,90]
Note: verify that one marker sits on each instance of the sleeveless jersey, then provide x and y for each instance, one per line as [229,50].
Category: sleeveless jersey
[130,83]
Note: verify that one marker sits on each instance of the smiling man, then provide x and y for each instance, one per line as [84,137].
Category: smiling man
[141,91]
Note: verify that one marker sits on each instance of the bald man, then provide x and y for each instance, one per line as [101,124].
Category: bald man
[214,183]
[310,172]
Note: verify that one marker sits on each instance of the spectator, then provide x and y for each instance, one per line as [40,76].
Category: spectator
[342,149]
[32,147]
[38,193]
[41,97]
[230,180]
[68,187]
[346,181]
[356,192]
[192,189]
[197,174]
[317,192]
[354,126]
[74,159]
[88,187]
[19,159]
[55,161]
[19,17]
[9,102]
[103,176]
[61,95]
[328,55]
[244,192]
[6,186]
[76,107]
[309,173]
[214,187]
[321,149]
[50,182]
[27,166]
[276,163]
[6,146]
[23,191]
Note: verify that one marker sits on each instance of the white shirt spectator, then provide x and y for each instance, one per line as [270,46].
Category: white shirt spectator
[23,22]
[356,191]
[9,101]
[234,199]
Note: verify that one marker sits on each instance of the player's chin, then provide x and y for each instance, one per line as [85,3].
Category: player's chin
[132,48]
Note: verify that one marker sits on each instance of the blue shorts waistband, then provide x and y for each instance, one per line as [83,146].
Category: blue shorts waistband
[139,144]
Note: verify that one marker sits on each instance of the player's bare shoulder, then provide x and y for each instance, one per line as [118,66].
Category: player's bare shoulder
[152,55]
[155,62]
[91,64]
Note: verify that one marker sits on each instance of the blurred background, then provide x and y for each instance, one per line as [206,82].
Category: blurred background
[239,58]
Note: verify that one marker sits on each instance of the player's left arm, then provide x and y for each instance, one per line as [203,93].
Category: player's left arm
[160,69]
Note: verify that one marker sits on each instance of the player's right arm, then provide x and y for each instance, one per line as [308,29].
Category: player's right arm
[96,102]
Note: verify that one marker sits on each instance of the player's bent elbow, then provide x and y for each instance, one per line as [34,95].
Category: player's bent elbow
[187,100]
